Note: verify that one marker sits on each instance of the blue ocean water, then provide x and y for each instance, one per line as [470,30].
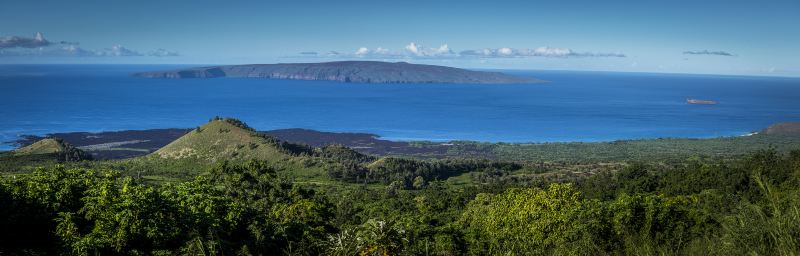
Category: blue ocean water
[573,106]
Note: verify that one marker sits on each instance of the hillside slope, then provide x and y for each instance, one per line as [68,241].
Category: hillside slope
[223,139]
[230,140]
[44,146]
[43,152]
[786,128]
[54,147]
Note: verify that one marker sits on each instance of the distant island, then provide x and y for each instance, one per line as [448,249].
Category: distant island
[349,72]
[701,102]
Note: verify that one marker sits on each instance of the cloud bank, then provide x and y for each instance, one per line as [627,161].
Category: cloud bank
[117,51]
[418,51]
[24,42]
[411,50]
[707,52]
[422,51]
[537,52]
[39,46]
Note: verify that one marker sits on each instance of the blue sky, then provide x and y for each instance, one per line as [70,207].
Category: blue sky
[714,37]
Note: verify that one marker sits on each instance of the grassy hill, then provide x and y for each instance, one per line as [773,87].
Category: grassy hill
[54,147]
[45,146]
[224,139]
[49,150]
[230,140]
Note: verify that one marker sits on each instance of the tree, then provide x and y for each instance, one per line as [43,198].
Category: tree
[419,182]
[524,221]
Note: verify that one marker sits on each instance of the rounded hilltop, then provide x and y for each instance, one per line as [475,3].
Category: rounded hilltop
[56,147]
[228,140]
[44,146]
[231,139]
[222,138]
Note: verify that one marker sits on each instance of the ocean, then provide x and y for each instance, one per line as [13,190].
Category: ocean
[572,106]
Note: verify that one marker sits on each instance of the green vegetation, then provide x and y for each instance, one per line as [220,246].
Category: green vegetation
[235,209]
[667,149]
[204,194]
[746,206]
[781,137]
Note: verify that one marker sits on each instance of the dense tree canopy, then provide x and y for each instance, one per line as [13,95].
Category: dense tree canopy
[698,206]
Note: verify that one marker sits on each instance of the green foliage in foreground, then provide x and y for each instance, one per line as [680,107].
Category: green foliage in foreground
[747,206]
[238,209]
[557,220]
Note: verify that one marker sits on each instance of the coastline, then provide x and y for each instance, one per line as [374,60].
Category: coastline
[135,143]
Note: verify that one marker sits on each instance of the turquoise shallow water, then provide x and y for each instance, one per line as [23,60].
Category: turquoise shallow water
[574,106]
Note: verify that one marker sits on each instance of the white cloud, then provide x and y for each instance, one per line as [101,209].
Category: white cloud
[162,53]
[362,51]
[506,52]
[72,50]
[415,50]
[552,52]
[117,51]
[707,52]
[444,49]
[411,50]
[380,50]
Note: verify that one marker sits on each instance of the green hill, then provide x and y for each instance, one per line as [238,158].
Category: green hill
[54,147]
[224,139]
[45,146]
[49,150]
[233,141]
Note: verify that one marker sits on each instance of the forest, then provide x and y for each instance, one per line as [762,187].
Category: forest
[268,197]
[745,206]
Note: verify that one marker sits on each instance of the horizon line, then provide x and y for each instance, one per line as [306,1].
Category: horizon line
[478,69]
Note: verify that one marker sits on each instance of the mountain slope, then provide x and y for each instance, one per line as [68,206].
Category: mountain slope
[349,72]
[223,139]
[233,141]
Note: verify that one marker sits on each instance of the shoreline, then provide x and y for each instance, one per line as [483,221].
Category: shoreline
[298,134]
[133,143]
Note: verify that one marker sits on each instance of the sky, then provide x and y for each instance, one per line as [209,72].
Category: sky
[705,37]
